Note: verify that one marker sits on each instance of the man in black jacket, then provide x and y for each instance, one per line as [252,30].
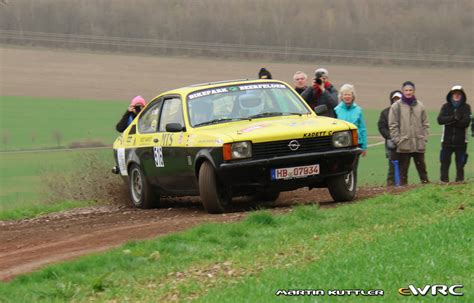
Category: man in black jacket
[455,116]
[390,147]
[321,92]
[300,81]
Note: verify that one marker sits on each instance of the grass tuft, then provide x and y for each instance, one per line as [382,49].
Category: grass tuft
[261,218]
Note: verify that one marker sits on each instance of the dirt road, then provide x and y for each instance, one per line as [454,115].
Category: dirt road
[31,244]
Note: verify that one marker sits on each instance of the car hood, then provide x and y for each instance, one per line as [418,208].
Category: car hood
[274,129]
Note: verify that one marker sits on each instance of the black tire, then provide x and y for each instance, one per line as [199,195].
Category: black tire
[343,188]
[214,197]
[141,193]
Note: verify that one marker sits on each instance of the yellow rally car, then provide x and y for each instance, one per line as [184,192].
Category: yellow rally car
[234,138]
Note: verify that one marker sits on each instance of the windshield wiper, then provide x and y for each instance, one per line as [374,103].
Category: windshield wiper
[215,121]
[267,114]
[273,114]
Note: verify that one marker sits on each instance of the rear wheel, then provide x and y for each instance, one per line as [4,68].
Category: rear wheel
[141,192]
[343,188]
[215,198]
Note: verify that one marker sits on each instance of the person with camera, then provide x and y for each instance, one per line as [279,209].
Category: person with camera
[300,81]
[321,92]
[455,116]
[408,123]
[390,147]
[137,104]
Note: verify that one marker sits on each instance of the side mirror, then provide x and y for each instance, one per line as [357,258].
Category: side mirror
[321,109]
[174,127]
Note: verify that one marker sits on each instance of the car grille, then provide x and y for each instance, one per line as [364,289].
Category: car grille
[281,148]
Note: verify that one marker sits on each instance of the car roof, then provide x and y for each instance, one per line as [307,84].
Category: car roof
[196,87]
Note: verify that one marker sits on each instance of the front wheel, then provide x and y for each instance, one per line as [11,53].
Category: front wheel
[141,192]
[343,188]
[214,197]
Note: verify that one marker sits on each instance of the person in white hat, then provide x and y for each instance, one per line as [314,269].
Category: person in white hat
[455,116]
[390,147]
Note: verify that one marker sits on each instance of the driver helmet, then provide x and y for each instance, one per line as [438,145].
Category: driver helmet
[251,104]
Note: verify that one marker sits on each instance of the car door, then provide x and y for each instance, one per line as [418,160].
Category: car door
[148,140]
[176,169]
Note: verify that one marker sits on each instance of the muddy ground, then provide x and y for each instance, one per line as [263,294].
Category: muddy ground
[30,244]
[96,76]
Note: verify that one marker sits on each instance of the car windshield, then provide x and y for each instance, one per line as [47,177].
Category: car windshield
[242,102]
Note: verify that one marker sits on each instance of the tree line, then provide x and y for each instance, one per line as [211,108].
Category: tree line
[441,29]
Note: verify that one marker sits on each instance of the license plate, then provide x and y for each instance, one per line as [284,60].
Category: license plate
[295,172]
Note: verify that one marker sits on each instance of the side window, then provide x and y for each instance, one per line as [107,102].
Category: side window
[149,120]
[172,113]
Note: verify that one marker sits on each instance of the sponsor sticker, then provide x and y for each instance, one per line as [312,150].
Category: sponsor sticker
[228,89]
[158,155]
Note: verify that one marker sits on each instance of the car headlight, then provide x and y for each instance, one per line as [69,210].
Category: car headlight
[237,150]
[342,139]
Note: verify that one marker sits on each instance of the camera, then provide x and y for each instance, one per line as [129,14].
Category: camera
[318,81]
[138,108]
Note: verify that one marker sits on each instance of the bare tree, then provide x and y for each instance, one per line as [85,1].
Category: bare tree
[350,26]
[34,136]
[6,137]
[58,137]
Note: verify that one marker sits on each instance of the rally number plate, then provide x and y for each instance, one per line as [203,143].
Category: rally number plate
[295,172]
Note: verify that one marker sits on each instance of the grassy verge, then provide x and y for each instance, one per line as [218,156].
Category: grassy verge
[419,237]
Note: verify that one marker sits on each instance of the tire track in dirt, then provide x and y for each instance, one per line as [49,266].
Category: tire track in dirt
[30,244]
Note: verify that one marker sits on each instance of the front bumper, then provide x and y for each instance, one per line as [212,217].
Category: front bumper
[247,176]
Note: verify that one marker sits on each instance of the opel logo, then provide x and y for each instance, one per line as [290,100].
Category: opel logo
[294,145]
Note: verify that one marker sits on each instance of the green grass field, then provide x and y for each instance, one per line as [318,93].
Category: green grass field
[22,174]
[31,123]
[419,237]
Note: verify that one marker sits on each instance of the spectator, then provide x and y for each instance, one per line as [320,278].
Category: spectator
[409,125]
[321,92]
[324,75]
[300,80]
[472,125]
[455,116]
[390,147]
[133,110]
[349,111]
[264,74]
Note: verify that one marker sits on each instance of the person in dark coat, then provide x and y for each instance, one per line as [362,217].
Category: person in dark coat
[455,116]
[390,147]
[300,82]
[472,125]
[133,110]
[264,74]
[321,92]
